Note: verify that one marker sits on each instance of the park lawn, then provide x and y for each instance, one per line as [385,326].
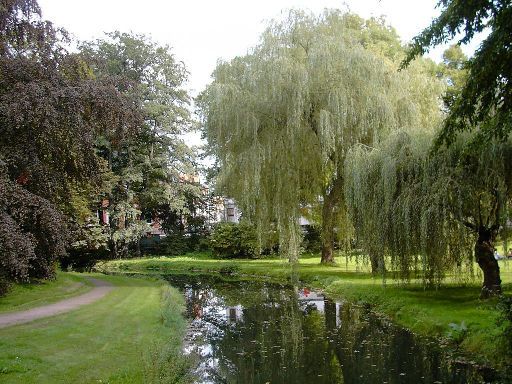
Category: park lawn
[425,311]
[41,292]
[129,336]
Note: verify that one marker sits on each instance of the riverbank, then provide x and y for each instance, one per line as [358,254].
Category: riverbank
[453,311]
[41,292]
[101,288]
[132,335]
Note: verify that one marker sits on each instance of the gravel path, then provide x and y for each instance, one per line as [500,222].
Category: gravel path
[101,288]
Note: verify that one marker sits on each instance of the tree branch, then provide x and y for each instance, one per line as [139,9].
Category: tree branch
[470,225]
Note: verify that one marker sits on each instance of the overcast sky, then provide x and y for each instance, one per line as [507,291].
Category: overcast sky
[202,31]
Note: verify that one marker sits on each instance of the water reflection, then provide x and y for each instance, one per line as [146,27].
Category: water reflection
[249,332]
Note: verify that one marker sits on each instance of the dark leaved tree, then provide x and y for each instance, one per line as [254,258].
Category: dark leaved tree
[485,101]
[51,110]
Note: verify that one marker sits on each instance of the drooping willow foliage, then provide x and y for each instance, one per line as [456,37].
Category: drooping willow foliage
[282,118]
[422,211]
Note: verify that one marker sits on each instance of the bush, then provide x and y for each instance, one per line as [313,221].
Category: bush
[91,243]
[4,283]
[312,241]
[33,234]
[174,244]
[504,322]
[83,260]
[198,243]
[231,240]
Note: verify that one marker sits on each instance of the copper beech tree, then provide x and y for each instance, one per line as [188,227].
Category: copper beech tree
[51,111]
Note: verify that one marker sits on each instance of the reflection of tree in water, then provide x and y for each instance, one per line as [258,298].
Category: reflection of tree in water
[257,333]
[279,341]
[275,338]
[373,350]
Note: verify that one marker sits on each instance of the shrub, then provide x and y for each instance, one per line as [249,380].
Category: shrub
[231,240]
[174,244]
[33,234]
[91,243]
[4,283]
[504,322]
[312,241]
[198,243]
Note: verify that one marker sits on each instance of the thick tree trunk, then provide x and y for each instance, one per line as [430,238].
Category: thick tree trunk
[113,248]
[484,253]
[138,249]
[327,250]
[328,229]
[332,199]
[377,263]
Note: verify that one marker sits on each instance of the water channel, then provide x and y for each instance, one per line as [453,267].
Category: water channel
[256,332]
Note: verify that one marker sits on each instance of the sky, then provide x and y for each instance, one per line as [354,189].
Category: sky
[201,32]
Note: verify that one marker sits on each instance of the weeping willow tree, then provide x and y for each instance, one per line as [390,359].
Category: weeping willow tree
[430,212]
[281,118]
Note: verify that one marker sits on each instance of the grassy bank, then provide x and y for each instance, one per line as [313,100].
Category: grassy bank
[133,335]
[41,292]
[430,312]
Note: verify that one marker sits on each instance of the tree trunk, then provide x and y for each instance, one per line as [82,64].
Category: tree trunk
[110,157]
[327,250]
[377,263]
[330,316]
[374,263]
[328,229]
[113,248]
[138,249]
[332,198]
[484,253]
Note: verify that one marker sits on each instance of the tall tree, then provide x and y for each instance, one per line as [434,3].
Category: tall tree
[370,178]
[431,212]
[51,109]
[485,101]
[282,118]
[146,167]
[483,104]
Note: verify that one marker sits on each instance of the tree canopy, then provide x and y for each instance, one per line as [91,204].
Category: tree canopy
[51,111]
[429,212]
[484,102]
[144,169]
[282,118]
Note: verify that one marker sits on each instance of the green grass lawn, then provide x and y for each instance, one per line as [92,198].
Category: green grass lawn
[132,335]
[425,311]
[41,292]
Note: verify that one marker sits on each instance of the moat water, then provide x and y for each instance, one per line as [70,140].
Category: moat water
[256,332]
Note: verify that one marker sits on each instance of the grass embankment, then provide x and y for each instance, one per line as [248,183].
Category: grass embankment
[429,312]
[41,292]
[133,335]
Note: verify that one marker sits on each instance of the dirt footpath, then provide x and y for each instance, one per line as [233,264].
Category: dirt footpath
[101,288]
